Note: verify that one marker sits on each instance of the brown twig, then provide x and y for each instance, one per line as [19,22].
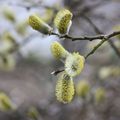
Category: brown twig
[95,48]
[97,30]
[103,39]
[89,38]
[56,72]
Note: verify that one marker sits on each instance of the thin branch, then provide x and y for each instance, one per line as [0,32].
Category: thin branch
[89,38]
[56,72]
[95,48]
[97,30]
[103,39]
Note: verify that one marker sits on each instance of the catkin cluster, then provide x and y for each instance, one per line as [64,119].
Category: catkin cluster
[73,65]
[73,62]
[62,22]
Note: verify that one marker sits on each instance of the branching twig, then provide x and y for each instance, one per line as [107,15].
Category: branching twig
[89,38]
[97,30]
[95,48]
[104,38]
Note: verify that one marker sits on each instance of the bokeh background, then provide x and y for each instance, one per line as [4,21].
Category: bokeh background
[25,75]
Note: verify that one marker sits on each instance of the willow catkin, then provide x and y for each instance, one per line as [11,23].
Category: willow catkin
[7,62]
[5,102]
[63,21]
[58,51]
[38,24]
[74,64]
[99,95]
[65,88]
[82,88]
[9,14]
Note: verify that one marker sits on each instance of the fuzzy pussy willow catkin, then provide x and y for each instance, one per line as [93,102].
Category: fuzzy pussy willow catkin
[7,36]
[82,88]
[7,62]
[5,102]
[9,14]
[65,88]
[100,95]
[38,24]
[63,21]
[74,64]
[58,51]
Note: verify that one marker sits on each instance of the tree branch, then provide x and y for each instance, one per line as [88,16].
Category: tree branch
[103,39]
[96,47]
[89,38]
[56,72]
[97,30]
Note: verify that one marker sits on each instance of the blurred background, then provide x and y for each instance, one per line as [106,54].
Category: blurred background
[26,82]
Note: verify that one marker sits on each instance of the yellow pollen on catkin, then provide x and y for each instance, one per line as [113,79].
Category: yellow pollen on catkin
[5,102]
[65,88]
[74,64]
[82,88]
[100,95]
[62,21]
[58,51]
[38,24]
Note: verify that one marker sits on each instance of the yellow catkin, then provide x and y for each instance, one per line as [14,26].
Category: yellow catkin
[58,51]
[38,24]
[9,14]
[99,95]
[82,88]
[65,88]
[5,102]
[7,62]
[7,36]
[74,64]
[33,113]
[110,71]
[62,21]
[21,27]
